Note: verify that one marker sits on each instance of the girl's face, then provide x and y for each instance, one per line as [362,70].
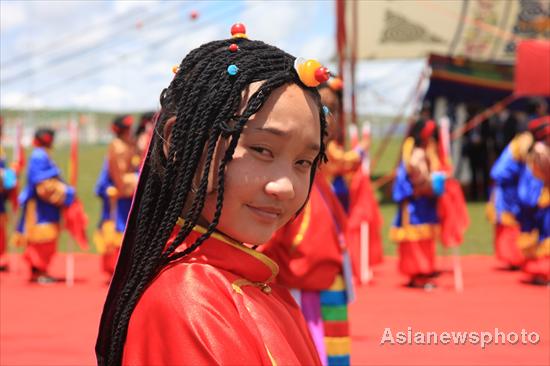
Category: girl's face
[267,181]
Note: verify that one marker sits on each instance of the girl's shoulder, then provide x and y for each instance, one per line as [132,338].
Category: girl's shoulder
[190,279]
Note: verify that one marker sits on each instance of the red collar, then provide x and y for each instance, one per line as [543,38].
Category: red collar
[227,254]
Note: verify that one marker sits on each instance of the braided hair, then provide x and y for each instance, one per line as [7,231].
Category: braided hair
[204,99]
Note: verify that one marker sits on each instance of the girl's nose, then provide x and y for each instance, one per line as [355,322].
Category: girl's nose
[282,188]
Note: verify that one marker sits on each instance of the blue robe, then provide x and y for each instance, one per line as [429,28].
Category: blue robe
[40,168]
[416,217]
[534,198]
[506,172]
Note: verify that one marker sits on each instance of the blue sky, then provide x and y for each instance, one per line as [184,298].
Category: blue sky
[117,55]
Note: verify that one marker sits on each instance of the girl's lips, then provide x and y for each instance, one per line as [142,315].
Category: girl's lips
[266,213]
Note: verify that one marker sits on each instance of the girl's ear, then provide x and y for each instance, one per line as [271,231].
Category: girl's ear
[167,135]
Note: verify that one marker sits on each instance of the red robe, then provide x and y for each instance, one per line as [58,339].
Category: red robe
[218,306]
[364,208]
[308,248]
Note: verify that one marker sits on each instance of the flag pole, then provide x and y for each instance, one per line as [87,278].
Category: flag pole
[455,250]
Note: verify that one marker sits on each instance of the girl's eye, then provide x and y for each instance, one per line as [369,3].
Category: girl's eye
[262,151]
[304,163]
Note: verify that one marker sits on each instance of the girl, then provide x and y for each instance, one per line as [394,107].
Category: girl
[237,142]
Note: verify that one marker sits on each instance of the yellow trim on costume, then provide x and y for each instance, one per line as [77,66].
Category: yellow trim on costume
[106,238]
[544,198]
[520,145]
[543,248]
[38,233]
[238,284]
[338,345]
[273,362]
[508,219]
[414,232]
[527,243]
[406,151]
[259,256]
[338,284]
[527,239]
[531,248]
[408,232]
[304,225]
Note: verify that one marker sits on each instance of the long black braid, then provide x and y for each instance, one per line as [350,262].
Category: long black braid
[204,99]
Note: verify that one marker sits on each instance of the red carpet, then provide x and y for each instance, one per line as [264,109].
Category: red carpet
[56,325]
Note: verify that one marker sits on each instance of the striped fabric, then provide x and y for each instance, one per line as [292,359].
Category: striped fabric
[334,312]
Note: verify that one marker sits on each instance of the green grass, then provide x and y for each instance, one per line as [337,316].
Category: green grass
[478,239]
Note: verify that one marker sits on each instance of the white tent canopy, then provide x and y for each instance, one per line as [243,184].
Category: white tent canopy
[481,30]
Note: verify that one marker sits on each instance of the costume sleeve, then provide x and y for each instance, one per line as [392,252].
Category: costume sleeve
[530,189]
[402,186]
[55,192]
[508,166]
[120,169]
[190,321]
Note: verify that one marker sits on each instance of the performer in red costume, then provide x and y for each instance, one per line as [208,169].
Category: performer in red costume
[233,157]
[349,173]
[8,182]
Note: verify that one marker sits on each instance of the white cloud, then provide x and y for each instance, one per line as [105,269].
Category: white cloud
[20,100]
[320,47]
[12,14]
[125,6]
[109,97]
[273,21]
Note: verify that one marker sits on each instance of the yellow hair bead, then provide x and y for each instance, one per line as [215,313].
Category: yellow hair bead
[306,71]
[240,35]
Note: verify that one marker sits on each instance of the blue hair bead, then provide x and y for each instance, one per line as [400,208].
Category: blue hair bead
[232,70]
[326,111]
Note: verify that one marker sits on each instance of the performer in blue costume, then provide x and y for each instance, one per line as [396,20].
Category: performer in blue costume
[416,189]
[42,199]
[115,187]
[534,196]
[504,208]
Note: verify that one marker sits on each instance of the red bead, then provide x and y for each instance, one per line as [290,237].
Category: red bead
[194,14]
[233,47]
[238,28]
[322,74]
